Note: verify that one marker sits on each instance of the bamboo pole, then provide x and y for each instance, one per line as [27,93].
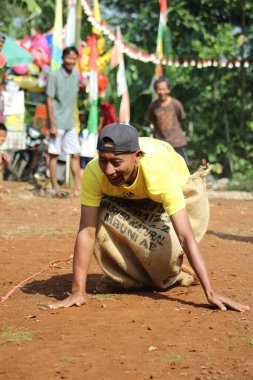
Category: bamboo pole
[78,22]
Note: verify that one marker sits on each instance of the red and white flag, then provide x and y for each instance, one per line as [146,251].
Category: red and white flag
[122,89]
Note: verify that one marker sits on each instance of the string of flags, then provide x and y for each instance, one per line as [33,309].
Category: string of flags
[153,58]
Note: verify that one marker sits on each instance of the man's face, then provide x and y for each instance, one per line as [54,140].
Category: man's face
[119,169]
[162,90]
[69,61]
[3,136]
[1,44]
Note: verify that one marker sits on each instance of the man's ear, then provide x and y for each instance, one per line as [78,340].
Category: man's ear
[138,155]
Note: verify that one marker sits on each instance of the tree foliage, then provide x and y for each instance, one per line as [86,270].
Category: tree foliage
[218,101]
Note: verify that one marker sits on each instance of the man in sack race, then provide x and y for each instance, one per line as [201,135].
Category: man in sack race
[141,210]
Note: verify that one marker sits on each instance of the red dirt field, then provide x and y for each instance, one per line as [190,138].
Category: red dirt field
[127,336]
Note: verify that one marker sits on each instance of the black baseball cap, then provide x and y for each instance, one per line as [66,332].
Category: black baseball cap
[123,136]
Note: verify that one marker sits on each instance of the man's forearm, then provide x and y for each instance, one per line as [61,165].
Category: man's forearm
[82,258]
[198,264]
[184,232]
[50,111]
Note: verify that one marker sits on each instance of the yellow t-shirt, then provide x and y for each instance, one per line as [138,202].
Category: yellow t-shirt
[162,174]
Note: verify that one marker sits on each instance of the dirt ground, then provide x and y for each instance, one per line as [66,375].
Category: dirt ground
[128,336]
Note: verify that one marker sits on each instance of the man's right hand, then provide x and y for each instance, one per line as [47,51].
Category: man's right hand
[4,160]
[53,131]
[73,300]
[85,240]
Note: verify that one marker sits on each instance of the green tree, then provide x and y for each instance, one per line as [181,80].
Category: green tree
[218,101]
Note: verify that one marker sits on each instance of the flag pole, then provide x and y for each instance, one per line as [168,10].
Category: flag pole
[78,22]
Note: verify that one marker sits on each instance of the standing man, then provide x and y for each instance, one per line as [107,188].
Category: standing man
[62,90]
[2,39]
[4,157]
[165,114]
[2,59]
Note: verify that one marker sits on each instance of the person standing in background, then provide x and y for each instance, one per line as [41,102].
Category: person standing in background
[2,39]
[2,59]
[165,114]
[62,90]
[4,157]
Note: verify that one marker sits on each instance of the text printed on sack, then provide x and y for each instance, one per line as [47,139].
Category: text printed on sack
[144,226]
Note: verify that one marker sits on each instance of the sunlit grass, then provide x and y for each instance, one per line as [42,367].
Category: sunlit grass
[15,335]
[174,357]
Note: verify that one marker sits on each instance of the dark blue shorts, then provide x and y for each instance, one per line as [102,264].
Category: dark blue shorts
[180,150]
[84,161]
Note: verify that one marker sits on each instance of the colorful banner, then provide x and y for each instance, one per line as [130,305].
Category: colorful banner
[97,16]
[15,140]
[93,88]
[15,54]
[14,102]
[71,24]
[15,123]
[161,29]
[56,57]
[122,89]
[93,95]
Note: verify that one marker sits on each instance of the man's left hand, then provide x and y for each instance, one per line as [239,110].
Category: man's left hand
[223,303]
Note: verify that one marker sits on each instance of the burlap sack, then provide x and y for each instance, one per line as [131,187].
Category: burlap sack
[136,244]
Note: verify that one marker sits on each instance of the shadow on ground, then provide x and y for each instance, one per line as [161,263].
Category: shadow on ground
[59,287]
[246,239]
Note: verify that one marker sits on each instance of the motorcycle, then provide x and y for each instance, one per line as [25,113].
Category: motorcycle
[30,162]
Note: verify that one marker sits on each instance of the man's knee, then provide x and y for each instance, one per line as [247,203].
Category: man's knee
[53,156]
[75,156]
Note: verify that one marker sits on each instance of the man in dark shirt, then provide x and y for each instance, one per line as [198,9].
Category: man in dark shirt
[165,114]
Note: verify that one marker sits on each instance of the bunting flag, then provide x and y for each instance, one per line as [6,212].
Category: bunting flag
[93,96]
[56,57]
[161,29]
[146,57]
[122,89]
[71,24]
